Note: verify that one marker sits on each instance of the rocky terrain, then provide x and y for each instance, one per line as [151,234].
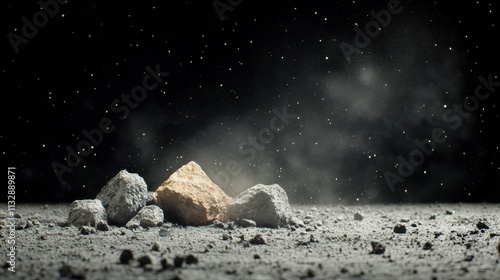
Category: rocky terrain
[449,241]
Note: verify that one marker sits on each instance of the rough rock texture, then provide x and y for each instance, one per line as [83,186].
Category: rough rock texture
[148,216]
[151,199]
[189,197]
[123,196]
[86,212]
[267,205]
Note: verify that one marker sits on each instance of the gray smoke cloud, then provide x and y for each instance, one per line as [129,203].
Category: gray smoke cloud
[351,125]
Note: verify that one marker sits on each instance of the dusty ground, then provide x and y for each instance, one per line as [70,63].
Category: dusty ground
[330,245]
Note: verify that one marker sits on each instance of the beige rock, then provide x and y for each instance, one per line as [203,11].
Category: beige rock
[189,197]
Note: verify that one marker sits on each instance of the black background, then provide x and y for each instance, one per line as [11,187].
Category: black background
[225,79]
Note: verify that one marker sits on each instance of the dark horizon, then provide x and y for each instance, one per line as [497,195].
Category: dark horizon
[311,96]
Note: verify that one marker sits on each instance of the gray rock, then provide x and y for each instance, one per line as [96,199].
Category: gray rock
[151,198]
[102,225]
[248,223]
[86,212]
[123,196]
[267,205]
[148,216]
[86,230]
[358,216]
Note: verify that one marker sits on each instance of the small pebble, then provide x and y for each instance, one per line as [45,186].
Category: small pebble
[156,246]
[126,256]
[358,216]
[247,223]
[482,225]
[427,246]
[86,230]
[377,248]
[178,261]
[399,228]
[258,240]
[102,225]
[145,260]
[218,224]
[190,259]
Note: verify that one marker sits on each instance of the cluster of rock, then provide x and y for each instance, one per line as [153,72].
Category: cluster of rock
[187,197]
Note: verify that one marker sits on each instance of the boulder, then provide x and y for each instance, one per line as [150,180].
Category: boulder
[86,212]
[148,216]
[189,197]
[267,205]
[123,196]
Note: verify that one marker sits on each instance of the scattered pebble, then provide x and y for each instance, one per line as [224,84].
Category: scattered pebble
[190,259]
[399,228]
[17,216]
[218,224]
[126,256]
[145,260]
[449,212]
[377,248]
[482,225]
[226,236]
[256,257]
[69,272]
[102,225]
[165,264]
[178,260]
[358,216]
[469,258]
[247,223]
[258,239]
[86,230]
[498,247]
[156,246]
[427,246]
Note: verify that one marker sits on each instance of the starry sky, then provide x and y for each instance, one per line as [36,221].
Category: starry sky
[330,99]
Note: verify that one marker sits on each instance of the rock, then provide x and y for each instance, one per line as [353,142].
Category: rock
[226,236]
[498,247]
[377,248]
[482,225]
[358,216]
[151,198]
[156,246]
[189,197]
[427,246]
[247,223]
[145,260]
[86,212]
[258,240]
[178,261]
[449,212]
[148,216]
[123,196]
[17,216]
[126,256]
[267,205]
[102,225]
[218,224]
[190,259]
[86,230]
[399,228]
[165,264]
[69,272]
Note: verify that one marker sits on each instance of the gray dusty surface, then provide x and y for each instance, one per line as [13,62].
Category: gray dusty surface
[331,244]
